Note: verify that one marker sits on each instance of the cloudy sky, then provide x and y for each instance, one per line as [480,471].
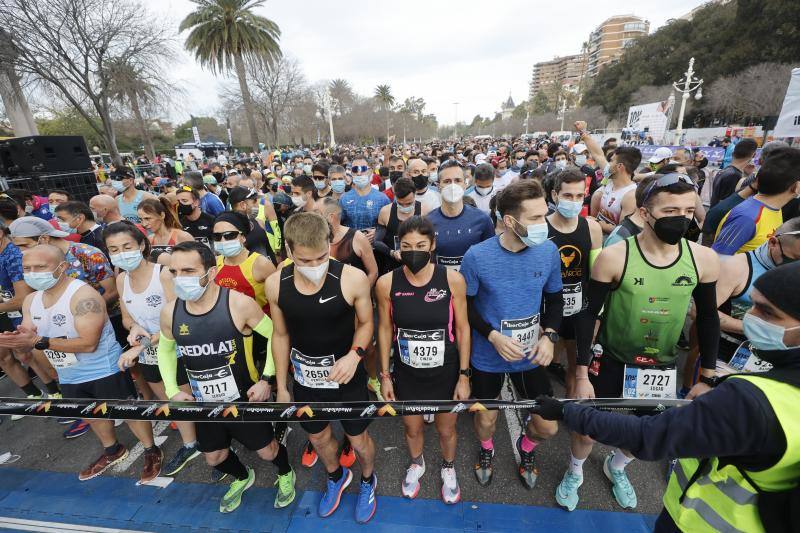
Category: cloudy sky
[468,52]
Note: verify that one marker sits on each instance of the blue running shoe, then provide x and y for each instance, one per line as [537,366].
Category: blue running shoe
[78,428]
[367,503]
[333,493]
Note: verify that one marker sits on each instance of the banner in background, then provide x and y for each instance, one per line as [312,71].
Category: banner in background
[230,135]
[650,117]
[195,131]
[789,120]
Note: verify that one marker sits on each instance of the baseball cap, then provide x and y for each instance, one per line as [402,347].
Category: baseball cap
[122,173]
[281,198]
[480,158]
[209,179]
[240,194]
[579,148]
[660,154]
[34,227]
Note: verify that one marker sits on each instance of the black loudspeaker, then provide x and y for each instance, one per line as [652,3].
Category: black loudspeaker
[43,154]
[80,185]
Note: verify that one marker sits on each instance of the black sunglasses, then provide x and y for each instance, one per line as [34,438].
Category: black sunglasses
[666,181]
[450,163]
[226,235]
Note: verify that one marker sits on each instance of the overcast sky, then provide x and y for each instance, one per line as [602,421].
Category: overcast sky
[469,52]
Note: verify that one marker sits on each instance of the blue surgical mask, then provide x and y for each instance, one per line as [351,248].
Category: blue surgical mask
[127,260]
[434,177]
[580,160]
[562,164]
[64,226]
[764,335]
[41,281]
[607,170]
[361,181]
[118,186]
[405,209]
[319,184]
[337,186]
[536,234]
[188,288]
[228,248]
[569,208]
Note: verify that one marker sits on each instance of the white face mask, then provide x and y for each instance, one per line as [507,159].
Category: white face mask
[562,164]
[314,274]
[580,160]
[452,193]
[299,202]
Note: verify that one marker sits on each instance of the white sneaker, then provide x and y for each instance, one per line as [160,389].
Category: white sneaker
[411,482]
[14,418]
[451,492]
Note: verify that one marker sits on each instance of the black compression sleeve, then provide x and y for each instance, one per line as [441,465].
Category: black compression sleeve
[584,324]
[380,247]
[380,233]
[476,320]
[553,309]
[705,300]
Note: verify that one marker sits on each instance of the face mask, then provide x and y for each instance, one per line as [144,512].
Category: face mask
[498,216]
[568,208]
[501,173]
[671,229]
[420,182]
[274,187]
[188,288]
[520,162]
[434,177]
[361,181]
[127,260]
[28,209]
[405,209]
[118,186]
[185,210]
[607,171]
[452,193]
[254,211]
[314,274]
[52,207]
[394,176]
[307,169]
[415,260]
[337,186]
[319,184]
[580,160]
[64,226]
[41,281]
[217,176]
[536,234]
[561,164]
[764,335]
[483,191]
[228,248]
[298,201]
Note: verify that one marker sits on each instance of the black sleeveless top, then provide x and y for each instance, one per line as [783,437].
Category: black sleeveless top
[322,323]
[344,253]
[573,249]
[391,240]
[424,330]
[211,354]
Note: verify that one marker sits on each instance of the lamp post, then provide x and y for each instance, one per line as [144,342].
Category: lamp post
[686,86]
[455,125]
[327,102]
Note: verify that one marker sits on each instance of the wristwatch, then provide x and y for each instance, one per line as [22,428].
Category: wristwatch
[711,382]
[42,344]
[467,372]
[552,335]
[361,352]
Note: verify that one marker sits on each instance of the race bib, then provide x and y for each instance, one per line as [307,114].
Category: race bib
[149,356]
[524,330]
[214,384]
[745,361]
[573,298]
[313,372]
[452,263]
[649,382]
[61,359]
[421,349]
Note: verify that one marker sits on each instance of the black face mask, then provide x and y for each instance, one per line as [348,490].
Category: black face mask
[671,229]
[274,187]
[185,210]
[415,260]
[217,176]
[420,182]
[395,175]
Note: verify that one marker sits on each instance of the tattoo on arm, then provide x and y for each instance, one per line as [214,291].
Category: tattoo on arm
[86,306]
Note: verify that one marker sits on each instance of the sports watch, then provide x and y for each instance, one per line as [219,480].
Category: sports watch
[42,344]
[552,335]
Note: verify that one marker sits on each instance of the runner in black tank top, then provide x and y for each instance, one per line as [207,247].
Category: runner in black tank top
[574,250]
[391,239]
[386,243]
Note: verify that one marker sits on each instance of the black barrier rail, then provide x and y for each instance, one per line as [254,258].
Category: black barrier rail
[289,412]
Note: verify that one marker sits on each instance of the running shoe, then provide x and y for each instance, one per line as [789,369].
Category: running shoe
[451,492]
[527,469]
[367,502]
[411,485]
[180,459]
[620,485]
[217,476]
[55,396]
[233,498]
[102,464]
[285,495]
[78,428]
[66,421]
[374,386]
[333,493]
[483,468]
[348,456]
[173,426]
[14,418]
[309,458]
[152,465]
[567,490]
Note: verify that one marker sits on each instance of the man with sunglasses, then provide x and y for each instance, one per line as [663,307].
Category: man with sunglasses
[362,204]
[645,285]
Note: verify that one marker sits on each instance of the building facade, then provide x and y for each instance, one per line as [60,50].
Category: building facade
[562,73]
[607,43]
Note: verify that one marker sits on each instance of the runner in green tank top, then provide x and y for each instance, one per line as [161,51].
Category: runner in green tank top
[645,284]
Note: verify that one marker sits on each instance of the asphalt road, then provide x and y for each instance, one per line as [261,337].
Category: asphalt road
[40,443]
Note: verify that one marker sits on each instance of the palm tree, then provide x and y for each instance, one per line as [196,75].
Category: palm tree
[226,33]
[342,95]
[129,82]
[383,94]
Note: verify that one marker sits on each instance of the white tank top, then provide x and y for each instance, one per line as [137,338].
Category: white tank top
[145,307]
[611,201]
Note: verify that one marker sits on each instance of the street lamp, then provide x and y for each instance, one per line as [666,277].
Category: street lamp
[455,126]
[327,102]
[689,84]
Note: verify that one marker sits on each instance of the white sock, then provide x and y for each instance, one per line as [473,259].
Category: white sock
[576,465]
[619,461]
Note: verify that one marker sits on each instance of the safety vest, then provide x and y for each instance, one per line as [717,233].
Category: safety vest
[702,496]
[274,236]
